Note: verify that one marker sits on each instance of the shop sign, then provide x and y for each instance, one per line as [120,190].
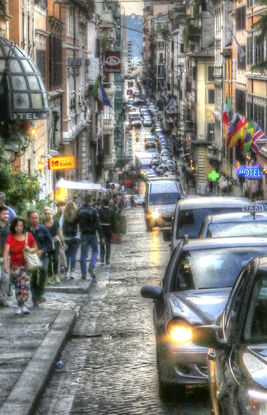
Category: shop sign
[249,172]
[112,61]
[62,163]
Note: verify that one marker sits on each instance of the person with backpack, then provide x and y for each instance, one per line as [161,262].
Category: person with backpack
[89,223]
[106,216]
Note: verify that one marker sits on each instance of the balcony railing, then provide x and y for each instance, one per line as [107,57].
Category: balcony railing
[107,123]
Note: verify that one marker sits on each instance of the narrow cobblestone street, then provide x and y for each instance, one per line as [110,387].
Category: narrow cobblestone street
[109,364]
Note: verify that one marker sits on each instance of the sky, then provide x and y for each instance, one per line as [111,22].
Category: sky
[133,6]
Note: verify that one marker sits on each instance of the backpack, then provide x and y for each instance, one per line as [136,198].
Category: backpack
[106,216]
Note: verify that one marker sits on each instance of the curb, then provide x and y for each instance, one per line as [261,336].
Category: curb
[30,385]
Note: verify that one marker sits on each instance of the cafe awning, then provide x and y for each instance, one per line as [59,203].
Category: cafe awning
[83,185]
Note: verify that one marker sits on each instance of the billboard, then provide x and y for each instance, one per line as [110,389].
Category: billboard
[112,61]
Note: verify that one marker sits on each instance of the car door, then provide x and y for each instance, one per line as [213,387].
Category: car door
[162,311]
[222,381]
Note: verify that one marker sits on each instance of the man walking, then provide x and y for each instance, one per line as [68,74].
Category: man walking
[4,277]
[89,223]
[44,243]
[106,216]
[11,212]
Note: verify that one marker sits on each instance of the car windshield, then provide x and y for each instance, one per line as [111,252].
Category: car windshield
[220,230]
[190,220]
[212,267]
[163,198]
[255,329]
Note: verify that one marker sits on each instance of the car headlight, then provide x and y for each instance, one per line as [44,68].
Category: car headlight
[180,331]
[155,215]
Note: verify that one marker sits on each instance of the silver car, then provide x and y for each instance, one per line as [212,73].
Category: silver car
[194,291]
[235,224]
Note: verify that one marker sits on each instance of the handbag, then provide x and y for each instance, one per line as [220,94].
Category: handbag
[32,260]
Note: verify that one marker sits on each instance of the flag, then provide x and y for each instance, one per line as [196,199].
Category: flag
[240,50]
[226,110]
[259,138]
[103,100]
[246,144]
[236,131]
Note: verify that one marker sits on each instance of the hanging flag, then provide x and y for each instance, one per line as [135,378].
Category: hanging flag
[259,139]
[236,131]
[240,50]
[226,110]
[246,144]
[103,100]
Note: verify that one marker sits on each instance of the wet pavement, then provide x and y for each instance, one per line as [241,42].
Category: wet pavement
[109,364]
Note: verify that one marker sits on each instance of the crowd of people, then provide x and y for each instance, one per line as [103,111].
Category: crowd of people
[53,237]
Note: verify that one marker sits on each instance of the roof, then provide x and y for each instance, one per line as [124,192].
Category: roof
[233,242]
[213,201]
[237,217]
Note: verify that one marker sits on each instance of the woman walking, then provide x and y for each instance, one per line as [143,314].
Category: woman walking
[70,234]
[53,228]
[16,243]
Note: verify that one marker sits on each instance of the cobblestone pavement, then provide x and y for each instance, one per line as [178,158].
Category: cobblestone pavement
[109,363]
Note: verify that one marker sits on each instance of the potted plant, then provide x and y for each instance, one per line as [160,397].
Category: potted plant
[119,226]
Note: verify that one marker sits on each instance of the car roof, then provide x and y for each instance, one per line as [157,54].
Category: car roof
[237,217]
[200,202]
[233,242]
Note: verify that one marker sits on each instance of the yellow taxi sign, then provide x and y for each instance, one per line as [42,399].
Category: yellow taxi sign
[66,162]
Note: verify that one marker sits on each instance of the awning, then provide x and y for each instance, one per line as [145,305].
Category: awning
[84,185]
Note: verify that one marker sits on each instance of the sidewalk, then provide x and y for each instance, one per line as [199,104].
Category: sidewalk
[31,344]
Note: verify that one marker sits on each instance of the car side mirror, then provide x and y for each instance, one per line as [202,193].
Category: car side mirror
[151,291]
[207,336]
[167,235]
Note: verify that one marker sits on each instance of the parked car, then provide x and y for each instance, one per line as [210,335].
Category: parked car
[191,212]
[234,224]
[238,346]
[194,292]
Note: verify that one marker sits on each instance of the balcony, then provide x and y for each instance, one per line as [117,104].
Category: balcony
[107,124]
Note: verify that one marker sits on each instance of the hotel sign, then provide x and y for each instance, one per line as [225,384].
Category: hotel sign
[62,163]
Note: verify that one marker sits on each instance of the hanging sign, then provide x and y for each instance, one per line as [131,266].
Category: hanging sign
[62,163]
[112,61]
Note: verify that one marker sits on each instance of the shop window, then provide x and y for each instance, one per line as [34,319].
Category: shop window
[241,18]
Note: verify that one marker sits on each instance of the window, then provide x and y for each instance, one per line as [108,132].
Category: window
[259,115]
[210,132]
[250,50]
[241,18]
[250,111]
[161,58]
[241,59]
[160,45]
[210,73]
[211,96]
[106,144]
[251,3]
[55,62]
[240,101]
[70,21]
[259,51]
[194,73]
[41,3]
[40,61]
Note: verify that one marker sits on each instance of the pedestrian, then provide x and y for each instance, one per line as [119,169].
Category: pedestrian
[70,235]
[16,243]
[44,244]
[53,228]
[132,200]
[107,217]
[12,213]
[89,223]
[4,276]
